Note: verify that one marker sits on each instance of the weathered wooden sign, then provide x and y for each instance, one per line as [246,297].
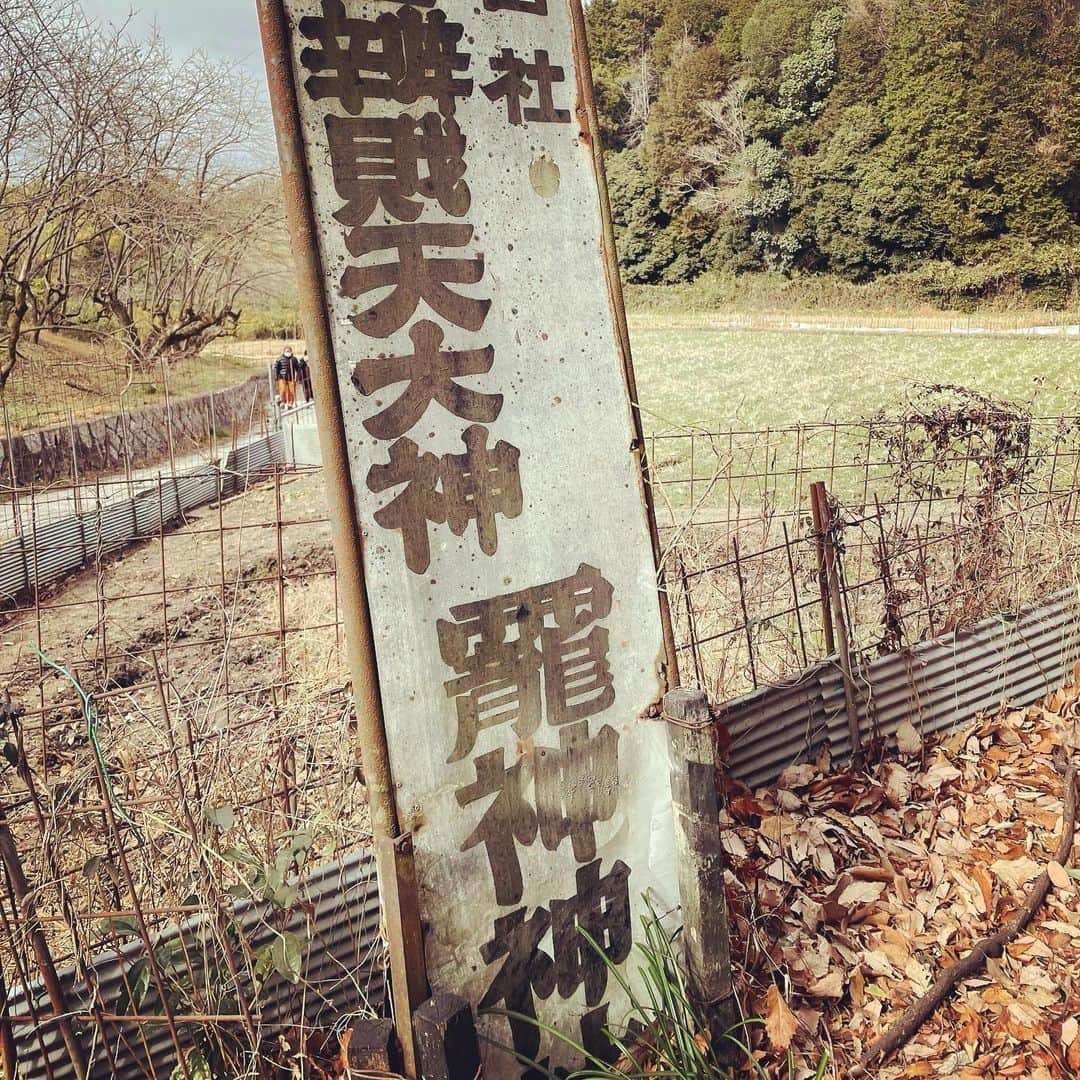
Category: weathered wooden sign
[508,565]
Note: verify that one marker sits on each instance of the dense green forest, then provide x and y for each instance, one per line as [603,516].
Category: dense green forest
[934,141]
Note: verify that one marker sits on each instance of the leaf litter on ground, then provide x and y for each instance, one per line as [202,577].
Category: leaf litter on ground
[850,892]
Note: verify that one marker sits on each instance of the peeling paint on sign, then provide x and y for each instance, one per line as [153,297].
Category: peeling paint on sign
[508,562]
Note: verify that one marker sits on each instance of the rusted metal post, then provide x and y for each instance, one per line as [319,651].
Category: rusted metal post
[8,1053]
[347,537]
[589,120]
[816,489]
[832,576]
[700,857]
[401,898]
[9,857]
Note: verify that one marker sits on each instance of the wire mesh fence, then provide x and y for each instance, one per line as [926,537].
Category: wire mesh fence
[179,775]
[935,521]
[180,791]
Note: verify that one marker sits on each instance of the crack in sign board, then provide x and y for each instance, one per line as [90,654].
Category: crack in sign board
[508,563]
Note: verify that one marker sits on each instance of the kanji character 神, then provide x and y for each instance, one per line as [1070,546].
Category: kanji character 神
[513,84]
[576,786]
[379,157]
[507,818]
[475,486]
[600,908]
[526,973]
[429,374]
[413,276]
[399,56]
[506,648]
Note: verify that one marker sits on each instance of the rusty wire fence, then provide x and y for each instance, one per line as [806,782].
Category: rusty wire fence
[183,821]
[933,521]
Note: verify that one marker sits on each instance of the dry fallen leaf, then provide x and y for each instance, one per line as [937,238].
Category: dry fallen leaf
[832,986]
[1015,872]
[780,1022]
[1059,876]
[908,739]
[1069,1030]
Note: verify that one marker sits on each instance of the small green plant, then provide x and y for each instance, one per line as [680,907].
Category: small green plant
[666,1034]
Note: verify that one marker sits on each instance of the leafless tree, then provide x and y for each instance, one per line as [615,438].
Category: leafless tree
[640,88]
[129,193]
[178,241]
[720,173]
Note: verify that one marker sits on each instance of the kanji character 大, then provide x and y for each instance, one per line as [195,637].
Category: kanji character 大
[379,158]
[513,84]
[400,56]
[429,374]
[413,276]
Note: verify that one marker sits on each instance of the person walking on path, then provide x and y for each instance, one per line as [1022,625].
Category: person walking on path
[304,373]
[285,373]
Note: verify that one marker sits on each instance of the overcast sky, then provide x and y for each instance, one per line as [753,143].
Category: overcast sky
[228,28]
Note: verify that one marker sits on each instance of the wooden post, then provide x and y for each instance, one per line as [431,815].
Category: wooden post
[820,527]
[823,514]
[400,897]
[373,1047]
[446,1042]
[700,858]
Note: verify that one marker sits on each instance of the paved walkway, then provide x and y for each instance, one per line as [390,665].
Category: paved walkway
[64,499]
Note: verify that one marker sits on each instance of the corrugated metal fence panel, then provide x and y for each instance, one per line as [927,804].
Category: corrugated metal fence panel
[13,576]
[59,548]
[197,488]
[56,549]
[342,973]
[936,684]
[246,462]
[151,509]
[772,727]
[115,526]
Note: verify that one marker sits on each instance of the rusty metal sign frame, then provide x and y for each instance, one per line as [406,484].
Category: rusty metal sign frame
[406,949]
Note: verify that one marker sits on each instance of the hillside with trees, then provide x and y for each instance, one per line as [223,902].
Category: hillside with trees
[935,143]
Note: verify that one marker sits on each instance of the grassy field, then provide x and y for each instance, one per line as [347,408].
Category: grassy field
[693,370]
[62,374]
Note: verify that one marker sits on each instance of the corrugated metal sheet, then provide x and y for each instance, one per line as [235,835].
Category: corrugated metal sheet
[342,973]
[62,547]
[936,685]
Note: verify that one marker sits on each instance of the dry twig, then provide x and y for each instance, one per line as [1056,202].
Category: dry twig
[919,1011]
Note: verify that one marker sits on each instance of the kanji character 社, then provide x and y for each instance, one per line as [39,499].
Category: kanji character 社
[513,84]
[508,818]
[379,158]
[429,374]
[600,908]
[527,972]
[576,786]
[507,649]
[413,276]
[399,56]
[477,485]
